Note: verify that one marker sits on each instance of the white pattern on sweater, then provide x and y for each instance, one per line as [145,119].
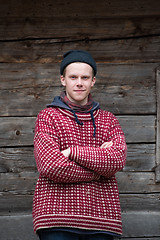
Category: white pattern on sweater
[79,192]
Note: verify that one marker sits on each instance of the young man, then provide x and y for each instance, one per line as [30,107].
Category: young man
[78,149]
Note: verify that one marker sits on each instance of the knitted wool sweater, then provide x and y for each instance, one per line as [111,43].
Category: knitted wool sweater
[80,191]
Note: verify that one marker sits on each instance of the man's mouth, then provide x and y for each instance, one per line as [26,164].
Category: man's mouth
[79,90]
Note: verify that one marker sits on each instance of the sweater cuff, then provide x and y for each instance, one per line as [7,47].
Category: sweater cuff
[73,153]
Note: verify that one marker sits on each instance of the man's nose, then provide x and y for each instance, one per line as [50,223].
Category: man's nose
[79,81]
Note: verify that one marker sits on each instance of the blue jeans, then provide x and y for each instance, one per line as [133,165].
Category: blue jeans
[58,235]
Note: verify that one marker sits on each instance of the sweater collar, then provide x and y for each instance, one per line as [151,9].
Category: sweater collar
[75,107]
[79,117]
[57,102]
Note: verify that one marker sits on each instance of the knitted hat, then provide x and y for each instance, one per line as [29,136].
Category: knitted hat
[77,56]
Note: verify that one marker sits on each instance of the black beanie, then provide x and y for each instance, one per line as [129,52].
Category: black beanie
[77,56]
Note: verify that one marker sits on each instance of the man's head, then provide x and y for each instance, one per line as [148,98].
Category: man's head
[78,76]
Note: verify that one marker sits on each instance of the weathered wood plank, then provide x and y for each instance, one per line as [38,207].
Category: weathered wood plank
[33,75]
[17,160]
[140,157]
[24,183]
[14,227]
[146,226]
[121,89]
[19,131]
[63,29]
[144,49]
[116,99]
[11,203]
[138,128]
[157,169]
[138,182]
[30,100]
[141,224]
[18,183]
[140,202]
[80,9]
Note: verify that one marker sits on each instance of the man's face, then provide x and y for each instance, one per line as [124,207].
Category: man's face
[78,81]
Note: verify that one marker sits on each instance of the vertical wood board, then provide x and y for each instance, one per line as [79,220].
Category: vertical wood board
[157,169]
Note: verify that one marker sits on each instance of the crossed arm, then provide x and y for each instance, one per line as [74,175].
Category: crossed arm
[76,164]
[67,151]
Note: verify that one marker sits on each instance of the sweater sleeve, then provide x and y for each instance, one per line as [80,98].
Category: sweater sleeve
[104,161]
[51,163]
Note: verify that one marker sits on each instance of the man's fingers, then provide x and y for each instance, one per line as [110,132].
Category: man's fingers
[106,144]
[66,152]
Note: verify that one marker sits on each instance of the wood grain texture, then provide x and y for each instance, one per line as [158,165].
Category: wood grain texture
[128,182]
[142,49]
[78,20]
[157,169]
[140,202]
[141,224]
[146,225]
[17,160]
[60,29]
[19,131]
[80,9]
[121,89]
[140,157]
[13,203]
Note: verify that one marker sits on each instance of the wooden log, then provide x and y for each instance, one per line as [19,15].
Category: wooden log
[17,160]
[33,75]
[116,99]
[146,226]
[140,157]
[140,202]
[64,29]
[131,182]
[80,9]
[19,131]
[138,182]
[19,184]
[157,169]
[75,20]
[141,224]
[121,89]
[14,227]
[11,203]
[130,50]
[138,129]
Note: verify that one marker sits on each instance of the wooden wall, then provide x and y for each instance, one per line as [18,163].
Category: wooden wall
[124,38]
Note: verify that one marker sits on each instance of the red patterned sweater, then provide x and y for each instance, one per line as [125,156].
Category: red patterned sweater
[80,191]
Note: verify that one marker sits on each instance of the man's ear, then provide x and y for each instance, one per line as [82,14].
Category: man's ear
[93,81]
[63,82]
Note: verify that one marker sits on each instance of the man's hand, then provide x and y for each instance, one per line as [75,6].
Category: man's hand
[106,144]
[66,152]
